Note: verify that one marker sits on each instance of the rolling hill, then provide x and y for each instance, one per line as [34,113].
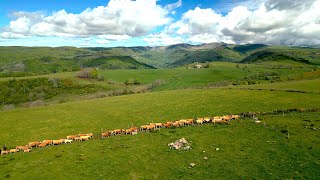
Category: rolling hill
[24,61]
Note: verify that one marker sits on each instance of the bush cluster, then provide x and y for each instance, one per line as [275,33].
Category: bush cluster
[29,90]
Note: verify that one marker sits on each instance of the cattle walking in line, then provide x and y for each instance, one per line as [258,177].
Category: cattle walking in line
[132,131]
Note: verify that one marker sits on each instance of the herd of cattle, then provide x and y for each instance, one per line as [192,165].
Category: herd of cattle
[131,131]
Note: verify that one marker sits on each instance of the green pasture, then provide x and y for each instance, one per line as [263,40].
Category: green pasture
[57,121]
[302,85]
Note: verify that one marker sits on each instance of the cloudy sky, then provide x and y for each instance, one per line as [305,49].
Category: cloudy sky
[109,23]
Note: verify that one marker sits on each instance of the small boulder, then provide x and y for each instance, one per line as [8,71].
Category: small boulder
[192,164]
[217,149]
[205,158]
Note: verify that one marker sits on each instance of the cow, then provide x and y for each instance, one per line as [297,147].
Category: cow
[227,118]
[34,144]
[90,134]
[118,131]
[77,138]
[143,127]
[48,142]
[111,132]
[68,141]
[176,124]
[189,122]
[58,142]
[22,147]
[41,145]
[5,152]
[167,125]
[235,116]
[105,134]
[183,122]
[151,126]
[218,120]
[134,128]
[26,150]
[128,131]
[13,150]
[199,121]
[206,119]
[158,125]
[84,138]
[71,137]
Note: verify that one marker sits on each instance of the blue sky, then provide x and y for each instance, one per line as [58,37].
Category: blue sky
[112,23]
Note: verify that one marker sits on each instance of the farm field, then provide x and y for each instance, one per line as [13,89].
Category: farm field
[259,152]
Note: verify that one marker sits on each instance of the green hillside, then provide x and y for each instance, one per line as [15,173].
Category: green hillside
[247,150]
[24,61]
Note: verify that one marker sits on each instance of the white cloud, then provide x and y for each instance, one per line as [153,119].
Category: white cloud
[162,39]
[102,41]
[10,35]
[119,17]
[114,37]
[172,6]
[270,23]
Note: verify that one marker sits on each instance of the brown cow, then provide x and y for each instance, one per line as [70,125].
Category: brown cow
[5,152]
[176,124]
[71,137]
[58,142]
[151,126]
[13,150]
[41,145]
[82,135]
[167,125]
[90,135]
[26,150]
[227,118]
[143,127]
[34,144]
[48,142]
[189,122]
[77,138]
[84,138]
[118,131]
[199,121]
[158,125]
[235,116]
[206,119]
[105,134]
[22,147]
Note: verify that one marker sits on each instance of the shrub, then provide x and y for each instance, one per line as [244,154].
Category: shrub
[157,83]
[110,81]
[129,82]
[36,103]
[8,107]
[100,78]
[88,73]
[136,82]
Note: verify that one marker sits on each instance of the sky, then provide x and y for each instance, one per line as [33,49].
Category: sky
[111,23]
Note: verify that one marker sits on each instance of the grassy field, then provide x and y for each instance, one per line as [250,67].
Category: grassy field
[303,85]
[247,150]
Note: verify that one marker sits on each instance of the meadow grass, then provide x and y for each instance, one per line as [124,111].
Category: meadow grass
[246,150]
[59,120]
[302,85]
